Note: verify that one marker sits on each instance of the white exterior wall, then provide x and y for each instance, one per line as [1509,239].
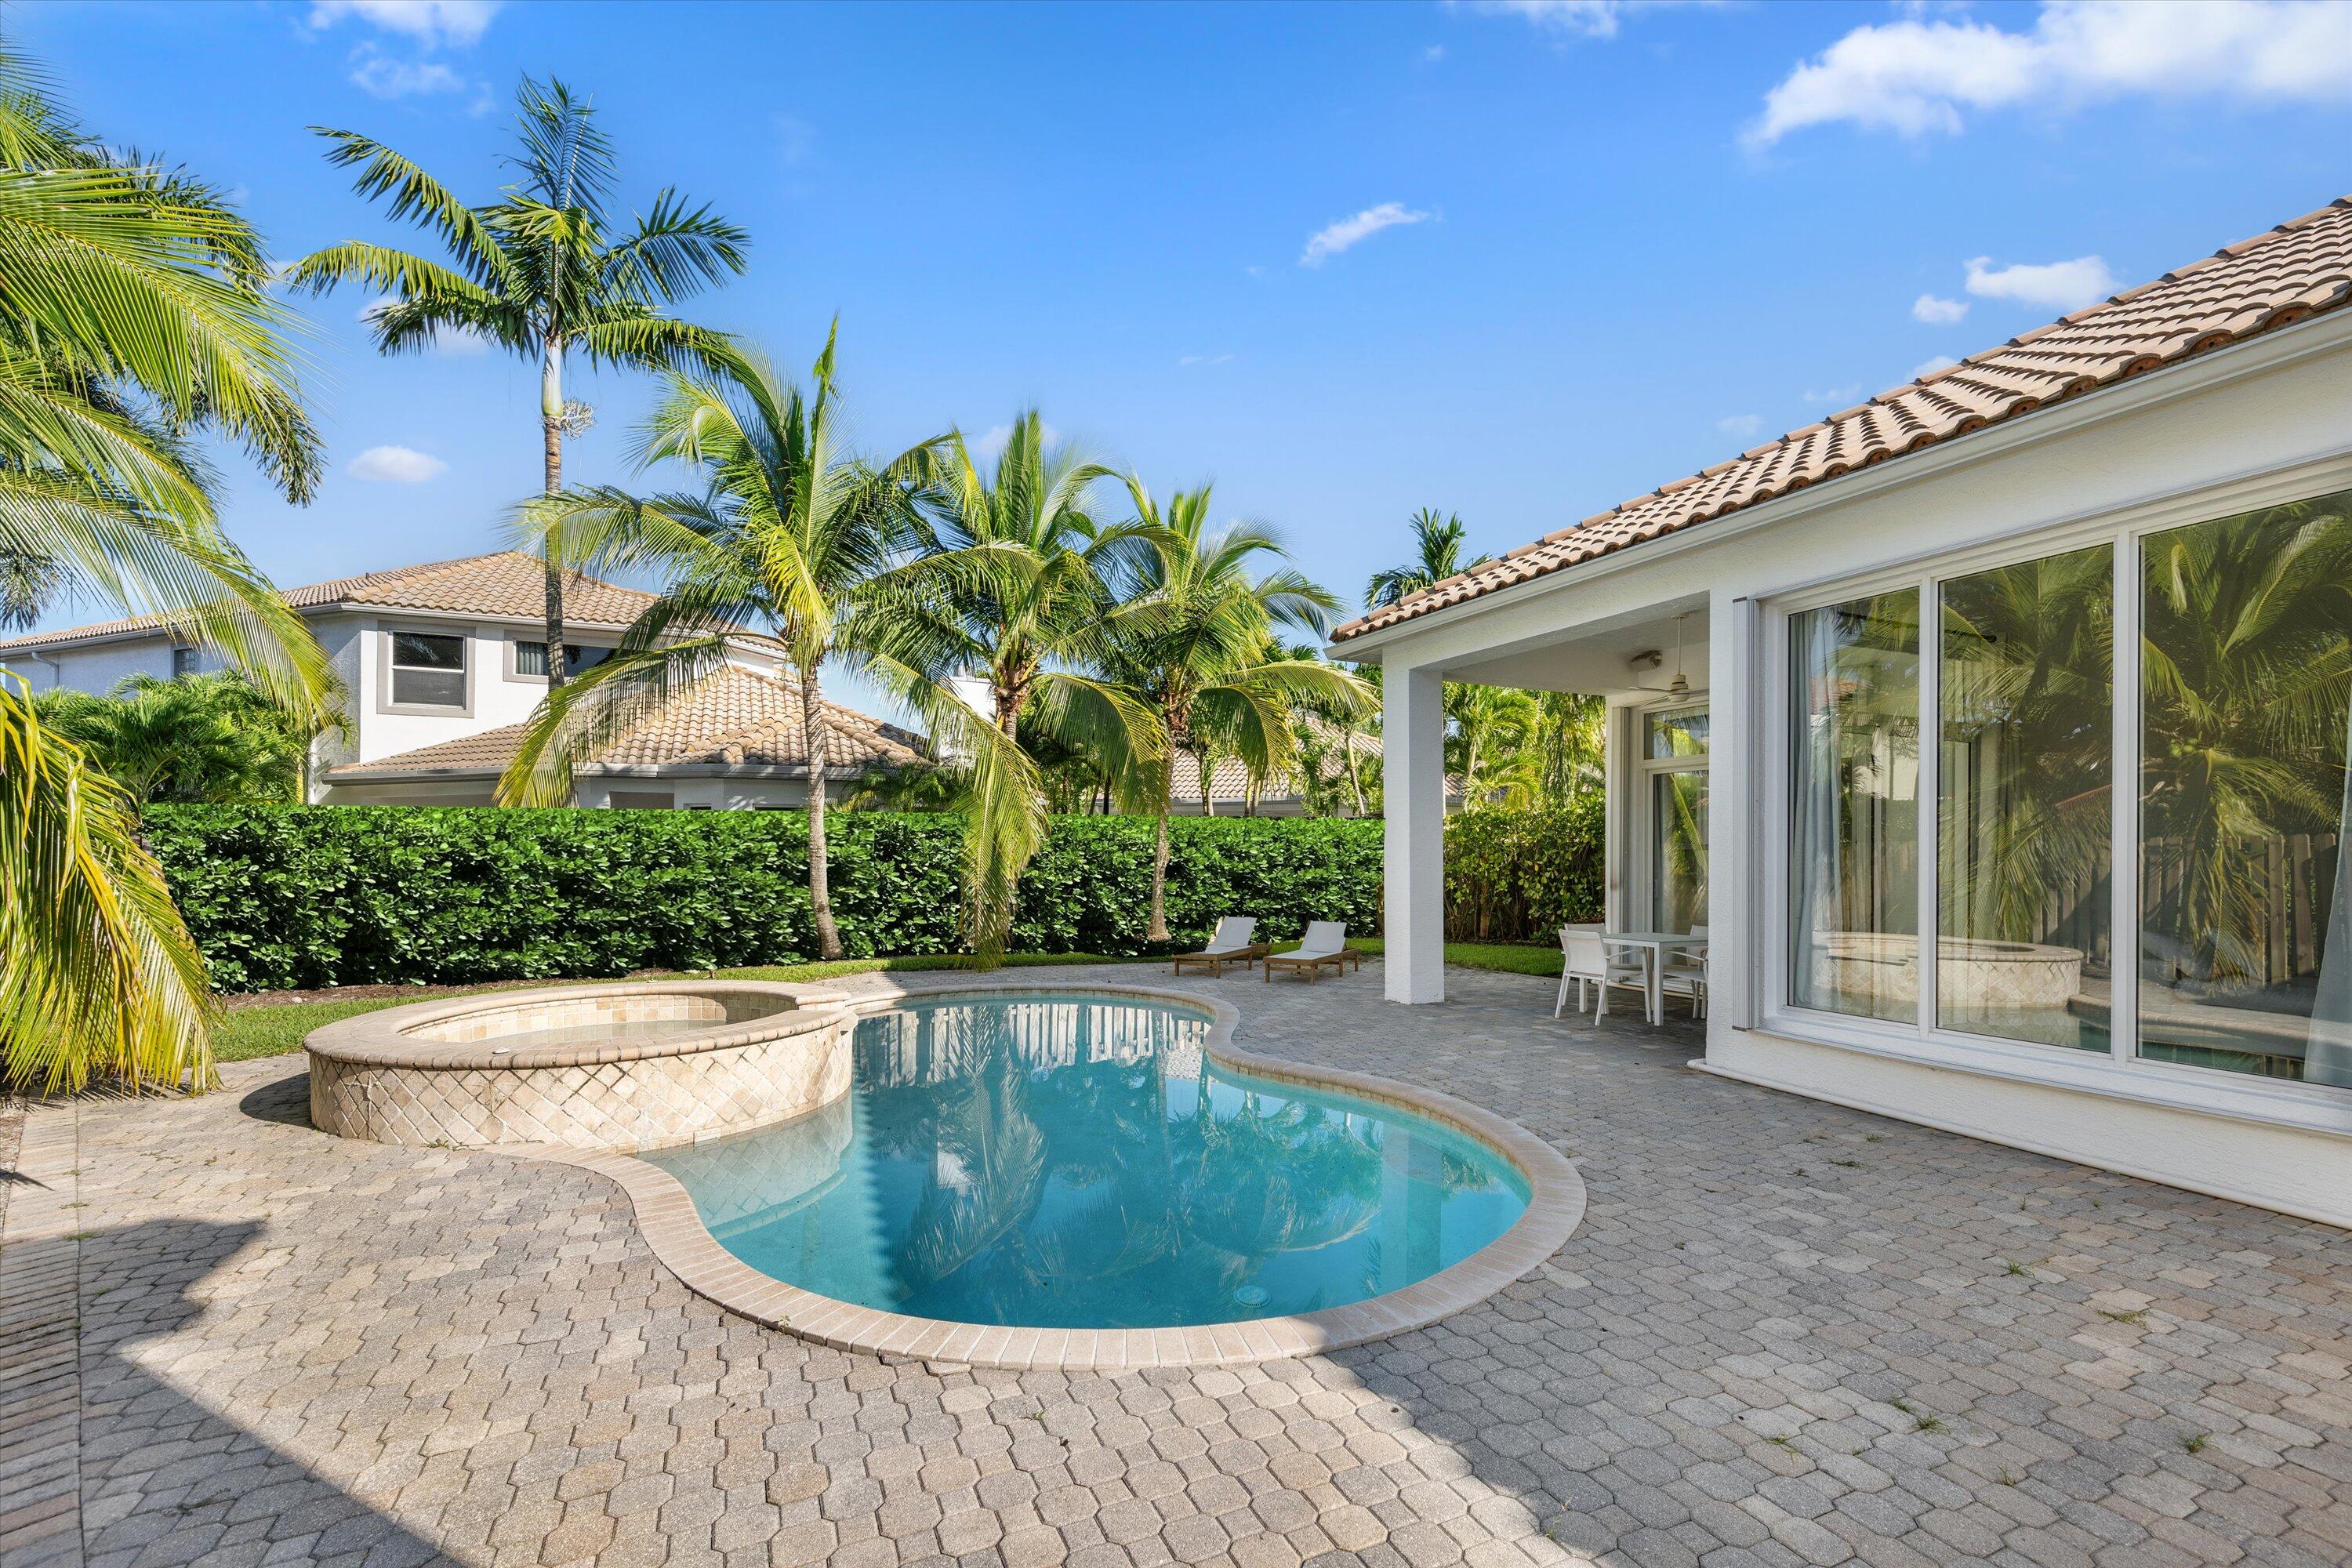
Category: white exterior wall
[2249,426]
[96,668]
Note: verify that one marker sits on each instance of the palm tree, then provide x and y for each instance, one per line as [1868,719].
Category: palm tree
[1014,582]
[1487,746]
[1568,745]
[534,273]
[1192,645]
[134,318]
[1437,555]
[199,738]
[789,538]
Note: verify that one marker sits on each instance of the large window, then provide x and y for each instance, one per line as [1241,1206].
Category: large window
[2024,802]
[1674,756]
[1854,824]
[530,659]
[428,670]
[2245,939]
[2138,756]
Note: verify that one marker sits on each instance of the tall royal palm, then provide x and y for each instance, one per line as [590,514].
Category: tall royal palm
[134,315]
[1437,555]
[538,272]
[789,537]
[1193,643]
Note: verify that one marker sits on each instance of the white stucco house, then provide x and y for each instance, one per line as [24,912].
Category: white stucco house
[442,663]
[1996,731]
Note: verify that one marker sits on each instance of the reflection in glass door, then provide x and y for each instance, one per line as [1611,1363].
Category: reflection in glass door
[1674,756]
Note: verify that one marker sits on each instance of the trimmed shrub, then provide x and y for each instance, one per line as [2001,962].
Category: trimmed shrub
[307,896]
[1519,876]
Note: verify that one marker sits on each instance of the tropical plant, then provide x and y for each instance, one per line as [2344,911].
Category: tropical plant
[1192,644]
[134,319]
[199,738]
[1437,555]
[789,538]
[1488,731]
[536,273]
[1567,745]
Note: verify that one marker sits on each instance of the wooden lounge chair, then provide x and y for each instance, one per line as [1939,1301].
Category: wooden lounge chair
[1232,943]
[1326,947]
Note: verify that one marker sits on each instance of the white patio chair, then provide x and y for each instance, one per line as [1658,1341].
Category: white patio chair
[1586,960]
[1684,973]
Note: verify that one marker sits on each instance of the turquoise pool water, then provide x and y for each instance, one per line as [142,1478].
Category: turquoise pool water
[1065,1161]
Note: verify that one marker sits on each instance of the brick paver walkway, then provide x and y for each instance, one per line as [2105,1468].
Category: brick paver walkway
[1786,1334]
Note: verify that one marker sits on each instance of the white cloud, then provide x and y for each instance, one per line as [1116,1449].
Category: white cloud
[430,22]
[1434,53]
[1332,238]
[1836,396]
[1203,359]
[381,76]
[1916,77]
[1578,18]
[1938,312]
[2057,284]
[1744,425]
[397,466]
[1930,366]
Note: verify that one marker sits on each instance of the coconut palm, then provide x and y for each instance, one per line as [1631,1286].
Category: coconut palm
[133,319]
[536,273]
[789,539]
[1192,644]
[1437,555]
[1014,581]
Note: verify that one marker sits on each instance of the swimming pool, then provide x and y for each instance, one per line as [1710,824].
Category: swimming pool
[1063,1160]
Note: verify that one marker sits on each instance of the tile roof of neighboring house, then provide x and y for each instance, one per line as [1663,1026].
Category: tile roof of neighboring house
[733,718]
[1229,779]
[2296,270]
[506,584]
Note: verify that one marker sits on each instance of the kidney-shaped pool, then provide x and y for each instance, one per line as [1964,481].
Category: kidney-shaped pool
[1071,1161]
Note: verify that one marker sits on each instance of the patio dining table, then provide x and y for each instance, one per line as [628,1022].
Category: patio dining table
[1653,946]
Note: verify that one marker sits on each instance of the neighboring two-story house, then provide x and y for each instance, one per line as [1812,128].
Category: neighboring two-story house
[442,664]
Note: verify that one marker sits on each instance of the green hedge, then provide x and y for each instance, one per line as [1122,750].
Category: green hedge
[1519,876]
[306,896]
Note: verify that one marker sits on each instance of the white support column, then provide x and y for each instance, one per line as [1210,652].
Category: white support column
[1735,816]
[1413,784]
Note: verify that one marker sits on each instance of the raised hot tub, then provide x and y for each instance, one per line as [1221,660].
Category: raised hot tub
[597,1066]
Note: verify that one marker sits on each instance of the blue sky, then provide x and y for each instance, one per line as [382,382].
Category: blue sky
[1569,250]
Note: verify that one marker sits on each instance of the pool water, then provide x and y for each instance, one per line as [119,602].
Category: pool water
[1064,1161]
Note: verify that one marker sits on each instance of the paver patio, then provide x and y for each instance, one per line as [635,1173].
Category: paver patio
[1785,1333]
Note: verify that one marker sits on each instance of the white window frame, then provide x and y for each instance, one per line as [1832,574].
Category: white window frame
[1646,770]
[384,697]
[2120,1072]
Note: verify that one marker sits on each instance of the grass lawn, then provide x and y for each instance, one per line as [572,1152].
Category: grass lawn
[1510,958]
[271,1029]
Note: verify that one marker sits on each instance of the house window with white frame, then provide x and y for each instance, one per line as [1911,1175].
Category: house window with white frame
[2113,781]
[530,659]
[428,669]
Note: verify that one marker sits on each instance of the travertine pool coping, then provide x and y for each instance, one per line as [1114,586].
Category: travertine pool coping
[666,1218]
